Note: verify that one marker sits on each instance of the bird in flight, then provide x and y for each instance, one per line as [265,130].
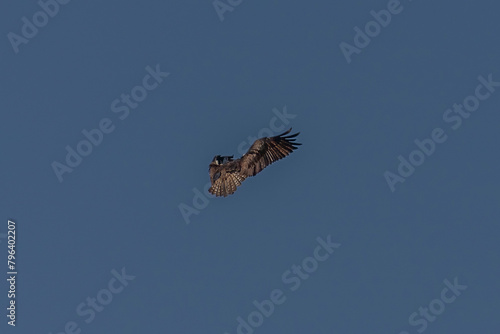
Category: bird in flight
[227,174]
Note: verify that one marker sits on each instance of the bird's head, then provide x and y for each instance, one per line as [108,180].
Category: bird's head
[217,160]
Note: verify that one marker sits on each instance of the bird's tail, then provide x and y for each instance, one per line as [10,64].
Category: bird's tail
[226,185]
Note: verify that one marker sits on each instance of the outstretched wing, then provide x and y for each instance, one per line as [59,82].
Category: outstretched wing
[267,150]
[225,178]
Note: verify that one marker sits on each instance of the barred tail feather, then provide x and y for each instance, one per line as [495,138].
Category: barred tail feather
[226,185]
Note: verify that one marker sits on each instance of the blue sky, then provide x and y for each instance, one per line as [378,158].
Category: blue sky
[385,220]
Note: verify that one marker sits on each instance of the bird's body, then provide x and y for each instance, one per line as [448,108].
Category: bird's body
[227,174]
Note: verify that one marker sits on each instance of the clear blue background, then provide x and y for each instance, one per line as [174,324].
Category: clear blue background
[120,207]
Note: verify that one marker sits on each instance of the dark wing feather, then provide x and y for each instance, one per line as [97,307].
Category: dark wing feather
[266,151]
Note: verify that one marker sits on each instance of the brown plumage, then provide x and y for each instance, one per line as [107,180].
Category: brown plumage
[227,174]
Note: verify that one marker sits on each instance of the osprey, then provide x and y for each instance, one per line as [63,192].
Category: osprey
[227,174]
